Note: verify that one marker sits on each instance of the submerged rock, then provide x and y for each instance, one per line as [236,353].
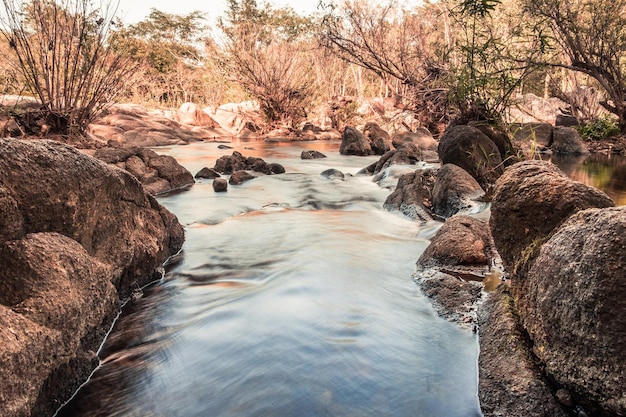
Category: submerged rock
[84,236]
[333,174]
[312,155]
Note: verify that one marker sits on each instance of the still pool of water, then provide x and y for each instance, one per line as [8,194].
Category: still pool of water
[293,297]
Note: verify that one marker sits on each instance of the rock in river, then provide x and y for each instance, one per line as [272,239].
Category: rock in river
[76,236]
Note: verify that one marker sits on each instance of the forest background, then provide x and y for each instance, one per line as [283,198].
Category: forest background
[443,61]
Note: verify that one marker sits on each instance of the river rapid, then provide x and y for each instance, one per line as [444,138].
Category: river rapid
[293,297]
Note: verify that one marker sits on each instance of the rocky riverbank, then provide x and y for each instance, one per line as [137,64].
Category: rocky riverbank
[77,237]
[551,334]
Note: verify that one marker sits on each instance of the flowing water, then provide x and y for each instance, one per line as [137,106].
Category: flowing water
[293,297]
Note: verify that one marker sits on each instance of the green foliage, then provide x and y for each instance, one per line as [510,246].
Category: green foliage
[599,128]
[170,49]
[478,8]
[495,48]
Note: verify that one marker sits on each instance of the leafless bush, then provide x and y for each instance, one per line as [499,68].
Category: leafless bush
[404,49]
[64,51]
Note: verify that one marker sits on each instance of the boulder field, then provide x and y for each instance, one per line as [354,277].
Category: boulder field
[77,236]
[552,340]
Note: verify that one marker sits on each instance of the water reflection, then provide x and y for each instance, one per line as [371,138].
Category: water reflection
[605,172]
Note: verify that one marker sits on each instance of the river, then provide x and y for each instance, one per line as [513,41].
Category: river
[293,297]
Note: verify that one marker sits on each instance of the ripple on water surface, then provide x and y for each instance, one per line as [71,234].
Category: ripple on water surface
[287,311]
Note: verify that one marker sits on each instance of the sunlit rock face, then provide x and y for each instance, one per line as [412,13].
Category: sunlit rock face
[530,200]
[76,237]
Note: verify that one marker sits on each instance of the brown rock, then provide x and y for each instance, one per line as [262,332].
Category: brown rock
[530,200]
[312,155]
[84,236]
[239,177]
[470,149]
[574,310]
[461,241]
[449,270]
[406,154]
[192,114]
[412,195]
[566,140]
[158,173]
[220,185]
[170,170]
[532,135]
[229,164]
[207,173]
[379,138]
[354,142]
[454,191]
[509,382]
[501,138]
[422,138]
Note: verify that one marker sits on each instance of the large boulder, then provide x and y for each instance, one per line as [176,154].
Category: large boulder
[574,309]
[412,195]
[470,149]
[128,125]
[566,140]
[379,138]
[158,173]
[530,200]
[510,384]
[454,191]
[192,114]
[452,266]
[532,137]
[354,142]
[501,138]
[77,236]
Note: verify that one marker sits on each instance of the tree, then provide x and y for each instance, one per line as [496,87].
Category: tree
[592,36]
[410,47]
[495,52]
[63,50]
[265,50]
[170,48]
